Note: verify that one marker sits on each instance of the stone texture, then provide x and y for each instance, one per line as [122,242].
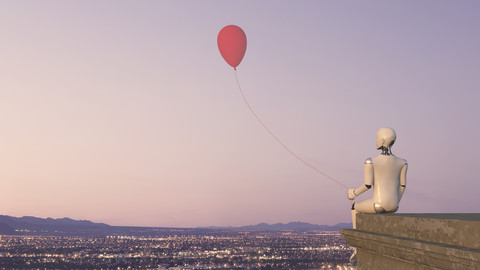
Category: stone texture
[416,241]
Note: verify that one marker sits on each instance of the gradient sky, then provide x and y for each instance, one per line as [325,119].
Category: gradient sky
[124,112]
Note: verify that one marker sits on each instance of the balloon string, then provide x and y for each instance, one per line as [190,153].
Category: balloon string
[280,142]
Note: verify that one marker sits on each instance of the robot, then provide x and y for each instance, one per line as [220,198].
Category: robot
[387,174]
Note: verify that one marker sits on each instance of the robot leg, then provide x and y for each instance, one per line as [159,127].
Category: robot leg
[365,206]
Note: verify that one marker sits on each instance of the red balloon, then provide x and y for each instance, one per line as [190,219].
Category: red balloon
[232,43]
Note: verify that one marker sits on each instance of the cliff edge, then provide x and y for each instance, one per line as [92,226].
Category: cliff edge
[416,241]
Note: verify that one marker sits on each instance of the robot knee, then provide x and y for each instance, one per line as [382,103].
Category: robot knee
[378,208]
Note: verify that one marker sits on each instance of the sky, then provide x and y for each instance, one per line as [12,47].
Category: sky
[124,112]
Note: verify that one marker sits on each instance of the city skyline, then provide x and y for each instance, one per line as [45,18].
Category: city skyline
[125,113]
[195,250]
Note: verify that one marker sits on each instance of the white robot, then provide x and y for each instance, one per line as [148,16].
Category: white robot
[388,176]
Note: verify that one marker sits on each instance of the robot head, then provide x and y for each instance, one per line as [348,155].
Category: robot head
[385,138]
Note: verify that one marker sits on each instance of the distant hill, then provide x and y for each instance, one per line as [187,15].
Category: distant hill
[34,225]
[291,226]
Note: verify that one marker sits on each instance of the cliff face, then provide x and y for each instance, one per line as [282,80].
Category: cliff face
[416,241]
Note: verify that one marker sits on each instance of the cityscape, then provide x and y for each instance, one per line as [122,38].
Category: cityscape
[180,249]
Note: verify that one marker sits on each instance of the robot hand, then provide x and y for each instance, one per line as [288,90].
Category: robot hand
[351,194]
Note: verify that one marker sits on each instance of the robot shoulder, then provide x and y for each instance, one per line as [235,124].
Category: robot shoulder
[368,161]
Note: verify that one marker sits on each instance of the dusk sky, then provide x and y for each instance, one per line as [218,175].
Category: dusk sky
[124,112]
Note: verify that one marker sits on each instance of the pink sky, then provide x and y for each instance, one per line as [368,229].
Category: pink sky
[124,112]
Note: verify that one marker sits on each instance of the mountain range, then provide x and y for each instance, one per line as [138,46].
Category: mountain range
[29,225]
[34,225]
[291,226]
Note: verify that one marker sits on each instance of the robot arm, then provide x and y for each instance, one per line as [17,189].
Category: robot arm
[368,174]
[403,181]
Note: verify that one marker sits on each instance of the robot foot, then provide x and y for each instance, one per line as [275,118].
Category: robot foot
[353,258]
